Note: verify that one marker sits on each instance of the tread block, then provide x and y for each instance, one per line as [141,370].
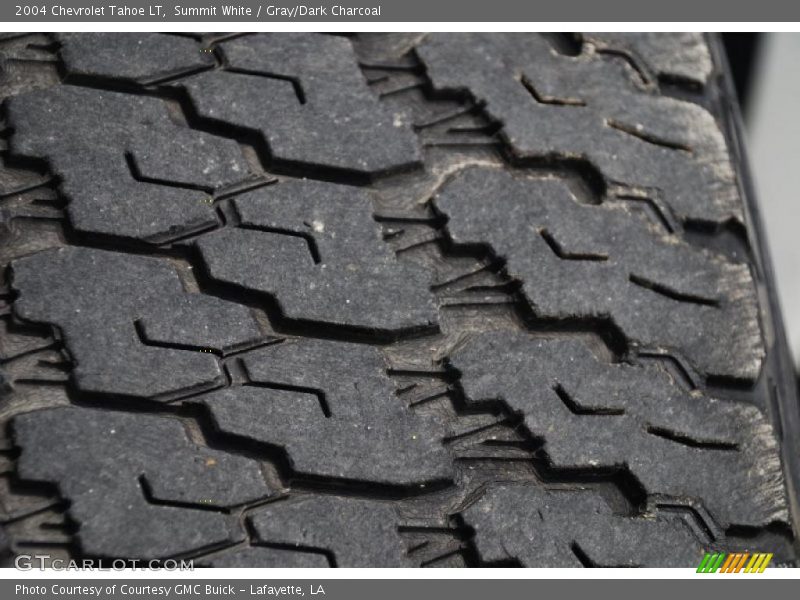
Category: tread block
[674,56]
[96,313]
[108,172]
[334,410]
[135,57]
[357,532]
[541,528]
[357,282]
[593,416]
[105,461]
[587,109]
[588,261]
[307,97]
[201,322]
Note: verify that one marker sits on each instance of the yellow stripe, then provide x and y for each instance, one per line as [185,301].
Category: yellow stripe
[757,564]
[751,563]
[765,563]
[741,562]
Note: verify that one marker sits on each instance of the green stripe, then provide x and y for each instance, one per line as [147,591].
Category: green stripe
[711,563]
[720,560]
[711,560]
[701,568]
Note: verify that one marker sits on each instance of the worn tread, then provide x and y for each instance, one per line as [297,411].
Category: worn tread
[384,300]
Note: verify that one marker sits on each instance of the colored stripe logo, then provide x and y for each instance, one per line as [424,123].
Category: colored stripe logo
[738,562]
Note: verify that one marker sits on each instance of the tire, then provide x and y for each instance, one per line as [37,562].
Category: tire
[386,300]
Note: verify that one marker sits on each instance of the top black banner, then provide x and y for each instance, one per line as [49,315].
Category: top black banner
[376,11]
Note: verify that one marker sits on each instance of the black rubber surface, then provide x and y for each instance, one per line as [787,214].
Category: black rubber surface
[386,300]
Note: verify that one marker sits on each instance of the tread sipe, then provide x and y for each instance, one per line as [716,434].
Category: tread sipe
[385,300]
